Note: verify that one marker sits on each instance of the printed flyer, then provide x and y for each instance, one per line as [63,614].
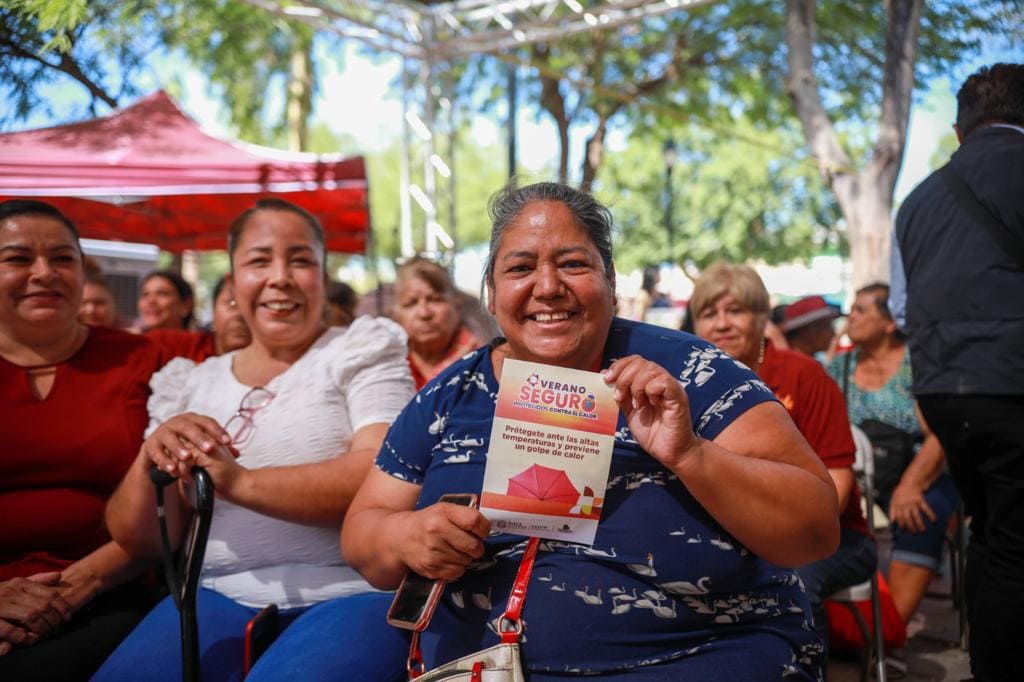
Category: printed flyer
[550,451]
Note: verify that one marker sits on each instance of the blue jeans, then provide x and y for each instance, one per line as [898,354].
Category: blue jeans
[925,548]
[340,639]
[854,562]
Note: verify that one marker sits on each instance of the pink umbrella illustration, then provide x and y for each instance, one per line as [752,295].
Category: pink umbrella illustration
[543,483]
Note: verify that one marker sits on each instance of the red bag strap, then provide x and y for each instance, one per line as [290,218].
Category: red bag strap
[511,617]
[414,664]
[517,598]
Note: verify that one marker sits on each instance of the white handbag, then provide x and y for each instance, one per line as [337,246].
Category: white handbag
[499,663]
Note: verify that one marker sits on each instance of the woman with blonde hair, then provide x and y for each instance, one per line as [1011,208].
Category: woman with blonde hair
[730,309]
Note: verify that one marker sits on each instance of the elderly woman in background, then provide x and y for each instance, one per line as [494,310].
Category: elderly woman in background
[730,309]
[913,486]
[427,306]
[165,302]
[228,330]
[287,428]
[711,488]
[72,414]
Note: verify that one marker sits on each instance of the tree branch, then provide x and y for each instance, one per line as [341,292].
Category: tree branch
[553,101]
[66,65]
[901,36]
[803,90]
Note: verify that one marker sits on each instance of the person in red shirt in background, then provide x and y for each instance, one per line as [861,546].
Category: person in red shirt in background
[807,324]
[165,302]
[426,305]
[730,309]
[72,415]
[227,332]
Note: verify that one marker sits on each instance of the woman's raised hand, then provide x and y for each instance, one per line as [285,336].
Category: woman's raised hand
[176,444]
[656,408]
[440,541]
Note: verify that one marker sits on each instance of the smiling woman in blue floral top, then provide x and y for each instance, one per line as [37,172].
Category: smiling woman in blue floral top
[711,492]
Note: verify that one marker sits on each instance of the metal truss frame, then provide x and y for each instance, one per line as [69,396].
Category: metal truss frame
[430,34]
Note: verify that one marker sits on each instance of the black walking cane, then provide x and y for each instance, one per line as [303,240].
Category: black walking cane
[183,584]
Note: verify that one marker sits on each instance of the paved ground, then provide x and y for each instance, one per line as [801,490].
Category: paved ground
[933,650]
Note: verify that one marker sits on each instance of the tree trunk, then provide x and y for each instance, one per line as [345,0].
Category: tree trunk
[594,155]
[553,101]
[300,89]
[866,203]
[563,148]
[864,197]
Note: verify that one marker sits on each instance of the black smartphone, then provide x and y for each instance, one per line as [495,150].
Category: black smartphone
[260,633]
[417,597]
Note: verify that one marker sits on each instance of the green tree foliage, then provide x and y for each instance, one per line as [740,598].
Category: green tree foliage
[732,200]
[101,46]
[256,62]
[247,54]
[710,65]
[858,73]
[944,150]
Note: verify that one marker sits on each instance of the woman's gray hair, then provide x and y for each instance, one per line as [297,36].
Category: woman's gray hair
[591,216]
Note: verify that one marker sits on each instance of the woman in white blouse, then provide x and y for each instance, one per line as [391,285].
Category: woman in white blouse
[287,428]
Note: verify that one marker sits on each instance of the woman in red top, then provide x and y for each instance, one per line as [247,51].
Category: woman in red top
[426,305]
[72,414]
[228,331]
[165,302]
[730,309]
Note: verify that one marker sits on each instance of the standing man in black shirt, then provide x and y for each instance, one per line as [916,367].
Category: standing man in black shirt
[958,274]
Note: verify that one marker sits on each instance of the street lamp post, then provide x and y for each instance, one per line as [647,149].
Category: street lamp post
[670,155]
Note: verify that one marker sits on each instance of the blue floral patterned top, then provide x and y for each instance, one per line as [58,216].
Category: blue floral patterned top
[663,582]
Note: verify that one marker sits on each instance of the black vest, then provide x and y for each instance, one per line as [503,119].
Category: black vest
[965,295]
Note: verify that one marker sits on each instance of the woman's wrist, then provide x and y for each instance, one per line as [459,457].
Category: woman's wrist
[239,486]
[688,460]
[80,585]
[394,526]
[910,482]
[378,548]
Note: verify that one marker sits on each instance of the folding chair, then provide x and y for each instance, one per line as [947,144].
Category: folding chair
[874,644]
[957,543]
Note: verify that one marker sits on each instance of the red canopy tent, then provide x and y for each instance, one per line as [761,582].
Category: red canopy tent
[148,173]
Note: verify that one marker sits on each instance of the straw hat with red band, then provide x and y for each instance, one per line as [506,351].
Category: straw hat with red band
[805,311]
